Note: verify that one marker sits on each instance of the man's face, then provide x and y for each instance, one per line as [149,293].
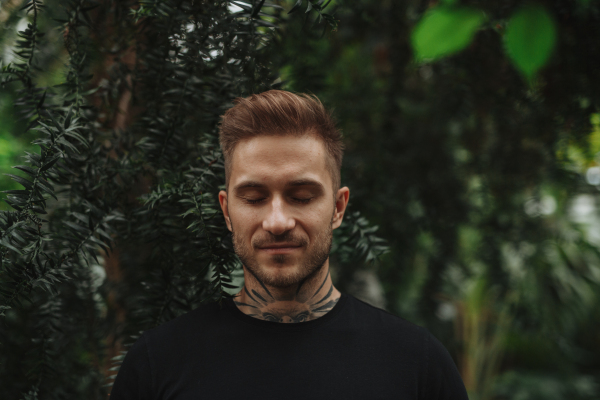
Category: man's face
[281,208]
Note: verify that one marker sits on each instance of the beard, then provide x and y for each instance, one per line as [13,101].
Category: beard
[286,275]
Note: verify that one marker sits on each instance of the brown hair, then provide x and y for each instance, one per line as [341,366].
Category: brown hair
[277,112]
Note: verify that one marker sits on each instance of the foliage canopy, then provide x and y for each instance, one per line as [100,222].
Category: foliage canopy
[473,144]
[123,184]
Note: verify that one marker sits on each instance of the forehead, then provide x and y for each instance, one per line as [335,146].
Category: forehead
[277,159]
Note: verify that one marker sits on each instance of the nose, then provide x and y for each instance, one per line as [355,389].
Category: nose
[278,221]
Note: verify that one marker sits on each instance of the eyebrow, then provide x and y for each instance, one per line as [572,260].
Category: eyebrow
[298,182]
[305,182]
[248,184]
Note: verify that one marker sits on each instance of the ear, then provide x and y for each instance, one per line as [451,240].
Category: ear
[223,202]
[341,201]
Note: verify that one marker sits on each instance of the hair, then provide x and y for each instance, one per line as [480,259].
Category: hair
[277,112]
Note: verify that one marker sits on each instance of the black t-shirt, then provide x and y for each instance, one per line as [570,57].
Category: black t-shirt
[355,351]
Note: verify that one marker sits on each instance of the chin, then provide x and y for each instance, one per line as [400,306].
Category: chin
[281,275]
[280,272]
[284,270]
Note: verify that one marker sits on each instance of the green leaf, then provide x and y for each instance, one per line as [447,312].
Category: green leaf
[77,227]
[243,6]
[77,136]
[30,171]
[19,193]
[444,31]
[530,38]
[5,243]
[54,121]
[50,163]
[296,6]
[257,8]
[22,181]
[46,187]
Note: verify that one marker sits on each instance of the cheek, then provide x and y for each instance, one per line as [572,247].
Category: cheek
[244,221]
[318,218]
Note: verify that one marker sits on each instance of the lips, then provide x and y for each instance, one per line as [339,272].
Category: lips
[278,245]
[280,248]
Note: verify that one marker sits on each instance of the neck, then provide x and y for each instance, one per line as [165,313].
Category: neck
[308,300]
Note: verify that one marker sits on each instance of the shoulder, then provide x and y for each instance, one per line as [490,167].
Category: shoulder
[200,319]
[377,319]
[198,316]
[438,376]
[442,378]
[155,358]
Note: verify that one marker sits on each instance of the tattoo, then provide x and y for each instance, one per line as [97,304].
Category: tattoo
[320,287]
[249,295]
[264,287]
[300,307]
[259,296]
[240,304]
[328,295]
[328,306]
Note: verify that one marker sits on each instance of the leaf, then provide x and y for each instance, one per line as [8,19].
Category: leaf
[243,6]
[444,31]
[67,122]
[49,164]
[41,102]
[46,187]
[77,136]
[296,6]
[28,5]
[5,243]
[30,171]
[33,158]
[257,9]
[77,227]
[54,121]
[22,181]
[530,38]
[20,193]
[272,5]
[66,143]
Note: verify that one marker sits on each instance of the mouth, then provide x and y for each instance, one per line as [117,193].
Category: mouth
[280,248]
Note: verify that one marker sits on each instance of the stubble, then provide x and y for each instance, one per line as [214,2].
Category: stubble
[310,263]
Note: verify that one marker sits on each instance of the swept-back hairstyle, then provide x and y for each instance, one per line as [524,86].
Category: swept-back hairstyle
[277,112]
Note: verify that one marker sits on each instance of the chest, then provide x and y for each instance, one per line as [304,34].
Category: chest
[341,367]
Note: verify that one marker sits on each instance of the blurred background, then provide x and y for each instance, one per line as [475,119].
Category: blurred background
[472,133]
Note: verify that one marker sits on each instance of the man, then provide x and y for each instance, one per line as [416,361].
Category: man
[289,333]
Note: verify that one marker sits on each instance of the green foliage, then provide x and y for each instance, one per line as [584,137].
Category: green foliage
[485,186]
[445,30]
[317,6]
[115,227]
[530,38]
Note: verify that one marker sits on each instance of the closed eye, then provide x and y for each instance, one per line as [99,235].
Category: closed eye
[270,317]
[254,201]
[301,317]
[302,201]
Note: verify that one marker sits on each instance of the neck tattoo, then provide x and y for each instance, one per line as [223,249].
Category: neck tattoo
[306,303]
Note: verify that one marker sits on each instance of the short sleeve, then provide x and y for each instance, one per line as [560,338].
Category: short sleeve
[134,378]
[442,379]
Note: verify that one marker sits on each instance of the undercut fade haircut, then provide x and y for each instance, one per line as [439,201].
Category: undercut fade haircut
[277,112]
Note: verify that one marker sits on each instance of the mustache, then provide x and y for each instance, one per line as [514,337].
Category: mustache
[287,237]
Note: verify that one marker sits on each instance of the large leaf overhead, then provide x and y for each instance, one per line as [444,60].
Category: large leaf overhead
[530,38]
[445,30]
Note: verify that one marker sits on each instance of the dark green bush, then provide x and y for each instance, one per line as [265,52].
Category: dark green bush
[117,227]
